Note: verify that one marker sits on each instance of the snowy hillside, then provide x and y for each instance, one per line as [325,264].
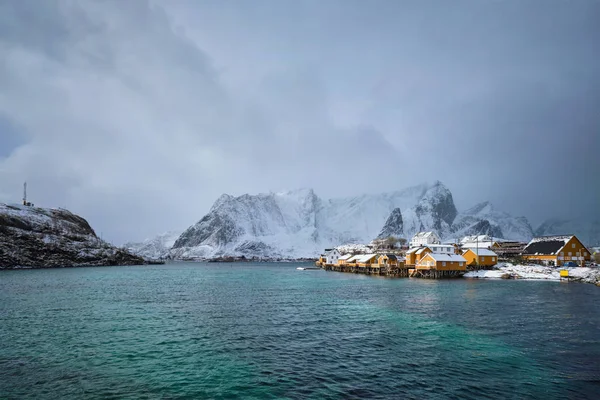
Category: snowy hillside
[154,248]
[587,230]
[40,237]
[299,224]
[485,219]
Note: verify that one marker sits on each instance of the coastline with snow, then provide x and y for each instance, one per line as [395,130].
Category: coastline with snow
[537,272]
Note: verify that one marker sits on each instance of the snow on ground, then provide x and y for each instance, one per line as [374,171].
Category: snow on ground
[354,248]
[537,272]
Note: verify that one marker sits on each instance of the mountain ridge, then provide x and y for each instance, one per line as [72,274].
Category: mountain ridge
[38,237]
[299,224]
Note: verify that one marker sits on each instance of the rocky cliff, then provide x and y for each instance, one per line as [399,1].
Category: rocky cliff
[40,238]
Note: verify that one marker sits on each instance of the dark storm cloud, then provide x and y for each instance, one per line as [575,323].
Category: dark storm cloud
[139,114]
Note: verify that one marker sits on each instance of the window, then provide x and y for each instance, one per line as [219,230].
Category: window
[460,263]
[444,264]
[562,253]
[493,259]
[585,253]
[569,254]
[573,245]
[577,254]
[482,258]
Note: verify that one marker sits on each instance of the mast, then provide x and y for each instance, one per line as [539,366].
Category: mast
[25,193]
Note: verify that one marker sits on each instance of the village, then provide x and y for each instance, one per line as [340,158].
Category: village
[426,256]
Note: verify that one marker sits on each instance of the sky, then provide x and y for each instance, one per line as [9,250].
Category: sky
[139,114]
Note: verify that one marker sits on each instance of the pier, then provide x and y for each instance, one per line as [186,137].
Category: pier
[399,271]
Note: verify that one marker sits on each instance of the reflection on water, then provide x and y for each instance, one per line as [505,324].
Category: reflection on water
[191,330]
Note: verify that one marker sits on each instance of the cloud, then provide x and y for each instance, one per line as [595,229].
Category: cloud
[139,114]
[128,121]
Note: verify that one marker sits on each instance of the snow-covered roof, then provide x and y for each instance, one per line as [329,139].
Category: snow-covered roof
[354,258]
[424,234]
[441,248]
[412,250]
[476,238]
[563,238]
[446,257]
[345,257]
[482,252]
[365,257]
[475,245]
[422,249]
[546,245]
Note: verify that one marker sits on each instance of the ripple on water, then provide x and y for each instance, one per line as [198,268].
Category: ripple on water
[270,331]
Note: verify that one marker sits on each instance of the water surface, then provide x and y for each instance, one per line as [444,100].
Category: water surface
[194,330]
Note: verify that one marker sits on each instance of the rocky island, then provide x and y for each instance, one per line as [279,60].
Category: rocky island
[34,237]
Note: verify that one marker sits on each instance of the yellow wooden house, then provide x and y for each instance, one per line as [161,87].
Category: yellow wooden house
[442,262]
[480,257]
[389,260]
[343,260]
[415,254]
[556,250]
[366,260]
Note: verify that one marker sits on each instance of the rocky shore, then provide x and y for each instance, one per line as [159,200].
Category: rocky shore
[34,237]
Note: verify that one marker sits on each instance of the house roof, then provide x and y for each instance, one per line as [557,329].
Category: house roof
[422,249]
[445,248]
[475,245]
[482,252]
[354,258]
[476,238]
[424,234]
[412,250]
[391,257]
[546,245]
[446,257]
[345,257]
[365,257]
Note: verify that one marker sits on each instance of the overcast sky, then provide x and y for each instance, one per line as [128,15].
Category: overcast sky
[139,114]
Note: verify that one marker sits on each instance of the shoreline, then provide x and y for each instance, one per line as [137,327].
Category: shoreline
[538,273]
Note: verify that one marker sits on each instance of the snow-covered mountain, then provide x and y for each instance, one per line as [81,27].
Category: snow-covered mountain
[484,219]
[154,248]
[41,237]
[587,230]
[299,224]
[394,225]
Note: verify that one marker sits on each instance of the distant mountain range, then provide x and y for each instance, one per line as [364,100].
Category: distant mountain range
[298,224]
[587,230]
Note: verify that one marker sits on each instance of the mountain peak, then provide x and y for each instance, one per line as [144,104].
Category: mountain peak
[224,198]
[484,207]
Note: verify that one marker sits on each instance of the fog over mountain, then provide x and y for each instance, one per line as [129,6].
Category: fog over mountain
[138,114]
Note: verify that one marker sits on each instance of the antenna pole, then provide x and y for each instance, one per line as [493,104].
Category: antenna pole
[25,193]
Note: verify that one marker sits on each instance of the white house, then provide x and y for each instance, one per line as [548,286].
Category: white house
[424,239]
[331,256]
[475,239]
[442,248]
[478,242]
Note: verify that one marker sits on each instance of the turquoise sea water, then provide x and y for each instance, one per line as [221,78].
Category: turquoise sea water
[225,331]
